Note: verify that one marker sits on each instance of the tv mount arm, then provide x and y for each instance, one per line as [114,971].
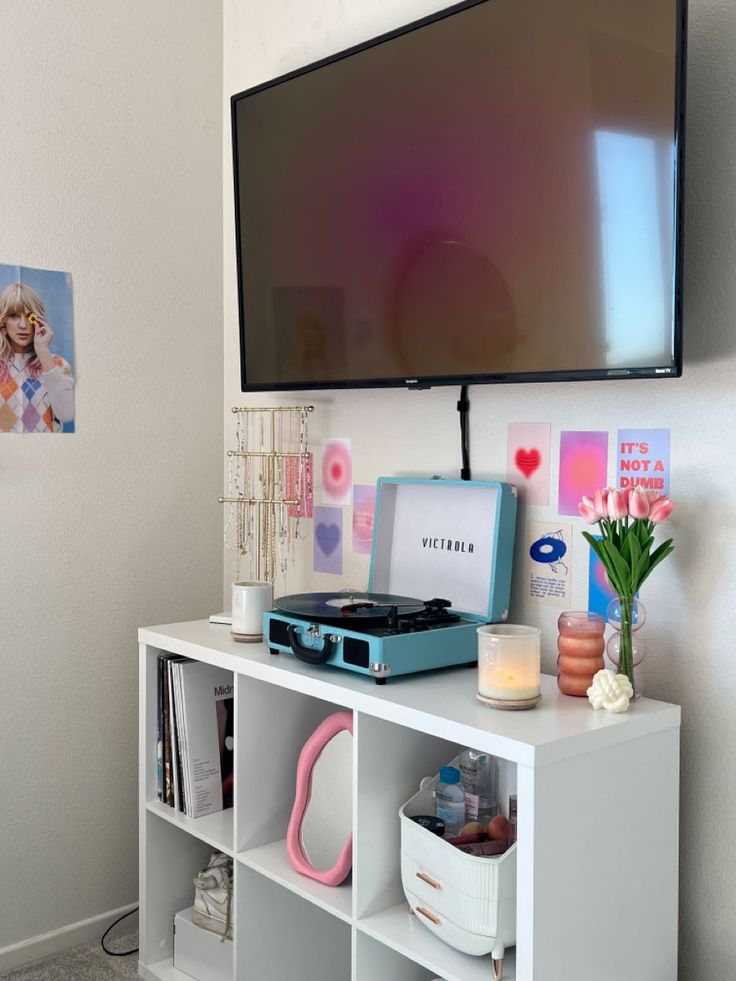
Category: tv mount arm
[463,407]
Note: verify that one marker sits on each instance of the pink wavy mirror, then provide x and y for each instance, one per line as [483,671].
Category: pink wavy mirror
[295,847]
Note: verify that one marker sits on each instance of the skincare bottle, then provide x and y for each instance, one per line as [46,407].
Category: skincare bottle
[450,800]
[478,779]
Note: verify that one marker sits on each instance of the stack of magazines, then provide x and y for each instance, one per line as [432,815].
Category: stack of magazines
[195,735]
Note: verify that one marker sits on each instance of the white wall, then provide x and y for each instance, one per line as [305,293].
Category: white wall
[690,598]
[111,169]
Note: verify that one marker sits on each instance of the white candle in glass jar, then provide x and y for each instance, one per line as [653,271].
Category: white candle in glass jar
[509,662]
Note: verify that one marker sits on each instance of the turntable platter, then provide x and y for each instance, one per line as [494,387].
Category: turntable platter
[344,607]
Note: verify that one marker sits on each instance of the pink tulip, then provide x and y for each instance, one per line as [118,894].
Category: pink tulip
[638,503]
[588,511]
[600,501]
[661,510]
[617,507]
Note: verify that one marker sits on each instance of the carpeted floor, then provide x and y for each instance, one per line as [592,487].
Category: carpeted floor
[86,963]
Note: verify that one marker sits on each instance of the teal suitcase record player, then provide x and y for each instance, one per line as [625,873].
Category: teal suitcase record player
[440,566]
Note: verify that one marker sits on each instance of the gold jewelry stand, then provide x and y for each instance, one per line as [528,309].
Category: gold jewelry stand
[272,460]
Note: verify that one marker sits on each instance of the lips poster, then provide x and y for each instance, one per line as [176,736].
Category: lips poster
[528,459]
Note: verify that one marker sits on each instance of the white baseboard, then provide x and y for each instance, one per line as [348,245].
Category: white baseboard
[16,955]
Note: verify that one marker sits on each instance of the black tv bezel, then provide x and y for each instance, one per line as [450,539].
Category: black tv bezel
[673,370]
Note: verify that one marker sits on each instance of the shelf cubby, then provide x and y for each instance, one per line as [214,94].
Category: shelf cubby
[375,960]
[280,937]
[214,829]
[390,762]
[271,726]
[272,862]
[173,858]
[400,930]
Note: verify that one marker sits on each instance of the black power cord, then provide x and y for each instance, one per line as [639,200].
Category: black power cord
[463,407]
[118,953]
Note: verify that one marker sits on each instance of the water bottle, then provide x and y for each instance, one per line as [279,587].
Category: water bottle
[450,801]
[478,780]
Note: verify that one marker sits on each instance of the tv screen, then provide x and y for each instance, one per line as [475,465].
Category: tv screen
[489,194]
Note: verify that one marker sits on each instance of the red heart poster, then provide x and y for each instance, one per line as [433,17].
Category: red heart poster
[527,460]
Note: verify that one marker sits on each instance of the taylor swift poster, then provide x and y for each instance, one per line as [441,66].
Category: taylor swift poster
[36,351]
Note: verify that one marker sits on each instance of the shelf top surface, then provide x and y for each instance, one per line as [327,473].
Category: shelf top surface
[441,703]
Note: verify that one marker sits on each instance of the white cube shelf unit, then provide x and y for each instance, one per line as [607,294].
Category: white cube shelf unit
[598,802]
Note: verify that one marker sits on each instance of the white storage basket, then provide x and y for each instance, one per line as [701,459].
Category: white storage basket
[467,900]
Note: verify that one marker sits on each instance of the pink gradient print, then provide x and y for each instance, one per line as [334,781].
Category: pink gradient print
[583,467]
[364,512]
[337,472]
[527,460]
[299,489]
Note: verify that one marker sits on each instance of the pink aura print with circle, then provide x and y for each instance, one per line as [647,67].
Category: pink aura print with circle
[337,472]
[583,467]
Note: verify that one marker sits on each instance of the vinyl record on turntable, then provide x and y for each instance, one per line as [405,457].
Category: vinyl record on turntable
[340,607]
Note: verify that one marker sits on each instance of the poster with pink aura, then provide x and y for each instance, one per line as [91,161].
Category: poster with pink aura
[583,467]
[337,472]
[364,513]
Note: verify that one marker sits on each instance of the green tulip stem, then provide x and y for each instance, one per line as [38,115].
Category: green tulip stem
[626,645]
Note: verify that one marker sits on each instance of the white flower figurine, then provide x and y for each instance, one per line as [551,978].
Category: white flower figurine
[610,691]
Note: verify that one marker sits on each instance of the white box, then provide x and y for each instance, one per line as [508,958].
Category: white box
[199,953]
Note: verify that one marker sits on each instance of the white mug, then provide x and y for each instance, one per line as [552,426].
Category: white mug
[250,601]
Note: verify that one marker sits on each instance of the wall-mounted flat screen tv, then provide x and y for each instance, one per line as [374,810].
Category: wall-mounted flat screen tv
[491,194]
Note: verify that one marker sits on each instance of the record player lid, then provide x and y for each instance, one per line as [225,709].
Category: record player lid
[437,538]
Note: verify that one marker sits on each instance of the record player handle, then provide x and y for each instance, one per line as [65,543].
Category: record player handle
[310,654]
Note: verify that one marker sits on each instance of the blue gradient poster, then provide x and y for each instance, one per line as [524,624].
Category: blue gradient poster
[600,593]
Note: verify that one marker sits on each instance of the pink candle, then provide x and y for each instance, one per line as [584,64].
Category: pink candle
[580,644]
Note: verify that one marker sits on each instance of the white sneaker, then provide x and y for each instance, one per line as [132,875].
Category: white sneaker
[213,891]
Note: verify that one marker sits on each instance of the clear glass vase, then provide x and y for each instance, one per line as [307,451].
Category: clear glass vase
[626,648]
